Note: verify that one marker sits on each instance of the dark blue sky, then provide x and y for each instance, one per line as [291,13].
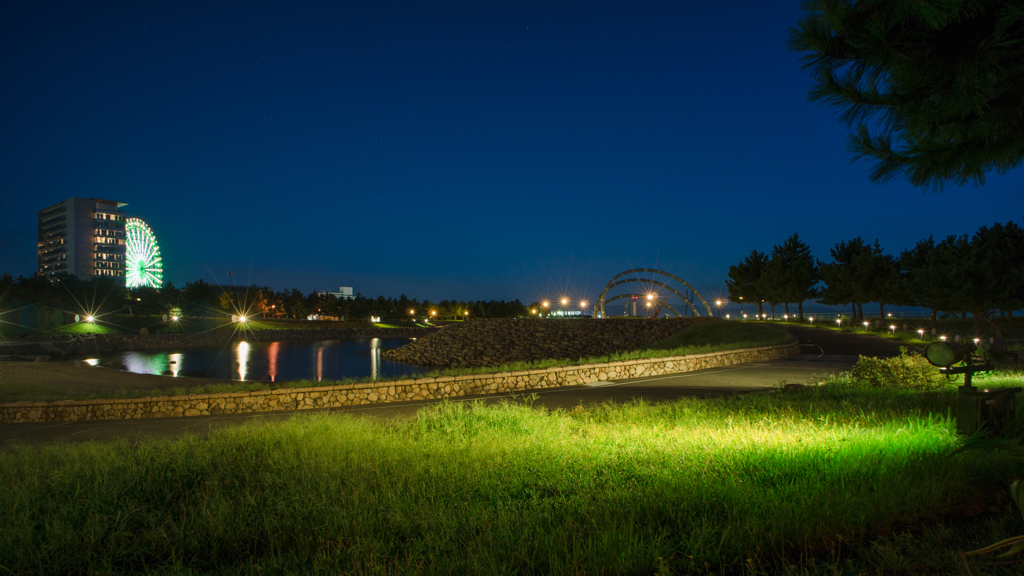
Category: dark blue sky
[472,150]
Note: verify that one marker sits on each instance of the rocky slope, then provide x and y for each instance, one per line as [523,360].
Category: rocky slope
[493,342]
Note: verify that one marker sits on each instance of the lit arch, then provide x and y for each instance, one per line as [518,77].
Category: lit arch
[599,306]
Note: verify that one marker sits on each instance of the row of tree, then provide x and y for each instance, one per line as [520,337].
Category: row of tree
[199,298]
[982,275]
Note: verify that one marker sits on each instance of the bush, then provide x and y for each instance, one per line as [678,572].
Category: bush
[904,371]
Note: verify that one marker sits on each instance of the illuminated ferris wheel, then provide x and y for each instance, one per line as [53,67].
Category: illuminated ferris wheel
[142,256]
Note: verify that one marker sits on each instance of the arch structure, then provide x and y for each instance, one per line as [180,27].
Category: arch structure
[615,281]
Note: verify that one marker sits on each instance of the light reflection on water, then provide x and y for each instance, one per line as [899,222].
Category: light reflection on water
[274,362]
[243,360]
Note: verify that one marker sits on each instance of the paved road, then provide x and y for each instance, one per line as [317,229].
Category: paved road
[822,352]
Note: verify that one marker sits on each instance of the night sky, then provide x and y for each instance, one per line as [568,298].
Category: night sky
[476,150]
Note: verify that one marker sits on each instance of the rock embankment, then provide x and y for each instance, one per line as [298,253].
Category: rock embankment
[119,342]
[477,343]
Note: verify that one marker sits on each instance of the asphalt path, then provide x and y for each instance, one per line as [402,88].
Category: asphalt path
[822,352]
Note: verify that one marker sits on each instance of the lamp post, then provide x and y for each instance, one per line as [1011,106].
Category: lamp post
[583,307]
[718,305]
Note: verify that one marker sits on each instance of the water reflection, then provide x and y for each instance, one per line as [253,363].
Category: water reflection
[322,360]
[146,363]
[319,363]
[175,363]
[272,351]
[243,360]
[375,358]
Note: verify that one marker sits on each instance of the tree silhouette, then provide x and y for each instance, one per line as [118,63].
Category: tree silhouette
[942,82]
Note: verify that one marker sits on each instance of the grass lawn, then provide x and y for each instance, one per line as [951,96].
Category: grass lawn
[773,483]
[83,328]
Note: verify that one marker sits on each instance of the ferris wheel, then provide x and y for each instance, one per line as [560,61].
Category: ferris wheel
[143,264]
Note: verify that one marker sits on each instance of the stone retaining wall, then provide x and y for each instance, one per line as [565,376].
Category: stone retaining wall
[378,392]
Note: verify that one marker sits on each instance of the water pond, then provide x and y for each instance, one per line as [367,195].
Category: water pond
[272,362]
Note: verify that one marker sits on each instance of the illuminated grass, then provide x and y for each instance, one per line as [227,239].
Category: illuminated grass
[471,489]
[83,328]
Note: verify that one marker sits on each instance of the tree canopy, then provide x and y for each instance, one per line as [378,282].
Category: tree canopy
[934,88]
[790,275]
[744,281]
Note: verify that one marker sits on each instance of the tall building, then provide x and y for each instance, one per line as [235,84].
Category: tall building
[84,237]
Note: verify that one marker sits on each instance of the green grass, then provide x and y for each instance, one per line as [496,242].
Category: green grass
[747,485]
[712,336]
[84,328]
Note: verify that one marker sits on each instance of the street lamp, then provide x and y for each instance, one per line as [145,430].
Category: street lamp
[865,326]
[812,319]
[921,333]
[718,304]
[893,328]
[466,313]
[839,321]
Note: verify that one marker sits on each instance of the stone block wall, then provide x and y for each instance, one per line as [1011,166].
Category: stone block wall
[345,395]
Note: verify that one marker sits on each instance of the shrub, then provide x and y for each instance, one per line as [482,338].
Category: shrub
[904,371]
